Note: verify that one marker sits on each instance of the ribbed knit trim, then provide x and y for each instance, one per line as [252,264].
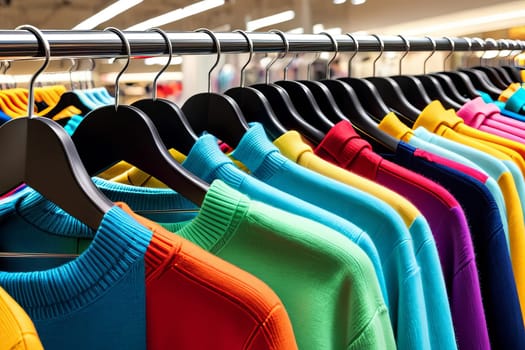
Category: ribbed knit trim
[205,157]
[258,153]
[143,198]
[221,212]
[174,226]
[119,243]
[49,217]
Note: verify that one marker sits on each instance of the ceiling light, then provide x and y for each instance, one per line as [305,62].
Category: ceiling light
[178,14]
[106,14]
[270,20]
[337,2]
[358,2]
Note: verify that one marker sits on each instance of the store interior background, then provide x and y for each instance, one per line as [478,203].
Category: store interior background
[188,74]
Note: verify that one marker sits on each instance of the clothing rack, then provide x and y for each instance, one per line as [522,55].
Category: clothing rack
[21,44]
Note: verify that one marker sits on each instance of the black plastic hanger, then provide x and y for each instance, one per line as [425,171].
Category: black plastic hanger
[39,153]
[491,73]
[321,93]
[392,93]
[480,80]
[365,91]
[410,85]
[283,106]
[304,101]
[353,111]
[429,89]
[253,103]
[170,121]
[460,80]
[512,71]
[215,113]
[436,92]
[445,83]
[111,134]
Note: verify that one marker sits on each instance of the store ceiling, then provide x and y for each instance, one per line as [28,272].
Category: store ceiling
[376,15]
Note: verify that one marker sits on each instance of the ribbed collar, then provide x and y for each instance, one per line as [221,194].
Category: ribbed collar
[143,198]
[395,127]
[516,102]
[434,116]
[119,243]
[475,111]
[218,219]
[258,153]
[207,161]
[342,146]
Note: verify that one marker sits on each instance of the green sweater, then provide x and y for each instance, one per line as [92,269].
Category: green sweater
[326,282]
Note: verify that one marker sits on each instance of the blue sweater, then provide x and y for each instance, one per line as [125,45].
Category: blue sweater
[83,295]
[381,222]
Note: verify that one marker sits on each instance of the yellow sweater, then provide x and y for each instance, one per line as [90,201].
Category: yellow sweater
[17,331]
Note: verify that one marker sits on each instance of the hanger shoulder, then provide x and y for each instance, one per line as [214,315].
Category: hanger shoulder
[108,135]
[217,114]
[369,97]
[306,104]
[325,100]
[286,112]
[394,97]
[349,104]
[256,107]
[480,81]
[171,123]
[413,89]
[43,156]
[446,84]
[437,92]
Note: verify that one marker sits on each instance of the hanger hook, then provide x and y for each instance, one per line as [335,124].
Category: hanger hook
[469,42]
[91,70]
[74,66]
[309,67]
[382,49]
[170,54]
[285,70]
[496,44]
[506,44]
[127,46]
[356,51]
[431,54]
[513,59]
[217,47]
[335,46]
[452,50]
[44,44]
[7,66]
[286,49]
[249,41]
[407,49]
[482,43]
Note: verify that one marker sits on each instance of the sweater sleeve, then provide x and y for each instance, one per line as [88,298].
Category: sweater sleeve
[275,333]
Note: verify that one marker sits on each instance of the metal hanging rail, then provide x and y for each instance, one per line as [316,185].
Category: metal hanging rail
[18,44]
